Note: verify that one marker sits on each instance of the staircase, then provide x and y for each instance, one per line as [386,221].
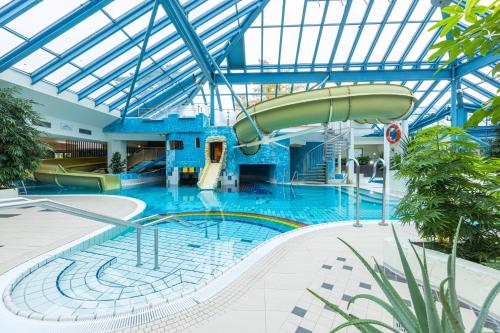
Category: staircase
[315,162]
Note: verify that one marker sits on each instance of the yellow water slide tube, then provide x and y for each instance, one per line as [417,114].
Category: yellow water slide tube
[76,172]
[363,103]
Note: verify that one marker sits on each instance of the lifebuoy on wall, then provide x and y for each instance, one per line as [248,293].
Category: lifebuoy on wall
[393,133]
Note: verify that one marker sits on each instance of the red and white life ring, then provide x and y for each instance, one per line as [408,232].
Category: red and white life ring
[393,133]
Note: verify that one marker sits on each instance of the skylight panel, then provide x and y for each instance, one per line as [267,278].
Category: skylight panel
[202,9]
[314,12]
[421,44]
[290,40]
[119,7]
[34,61]
[116,62]
[101,91]
[399,11]
[224,31]
[60,74]
[345,44]
[273,12]
[43,15]
[293,13]
[271,47]
[335,12]
[139,24]
[83,83]
[357,12]
[403,41]
[308,44]
[78,33]
[366,38]
[421,10]
[441,85]
[220,19]
[325,44]
[114,98]
[103,47]
[383,42]
[9,41]
[378,11]
[252,54]
[4,2]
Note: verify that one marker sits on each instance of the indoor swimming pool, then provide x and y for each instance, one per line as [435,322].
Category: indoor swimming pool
[101,278]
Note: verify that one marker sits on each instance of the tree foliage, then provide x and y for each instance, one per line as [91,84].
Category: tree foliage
[117,165]
[448,180]
[20,147]
[481,37]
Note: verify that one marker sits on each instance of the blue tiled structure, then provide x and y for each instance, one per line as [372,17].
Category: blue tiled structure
[191,158]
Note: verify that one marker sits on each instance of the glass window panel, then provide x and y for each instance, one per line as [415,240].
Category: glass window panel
[83,83]
[61,73]
[202,9]
[160,54]
[114,98]
[116,62]
[314,12]
[271,44]
[9,41]
[119,7]
[403,40]
[252,54]
[220,19]
[308,44]
[101,91]
[421,10]
[78,33]
[345,44]
[366,38]
[335,12]
[326,44]
[399,11]
[441,85]
[421,43]
[139,24]
[34,61]
[220,33]
[293,14]
[378,11]
[273,12]
[381,47]
[160,36]
[42,15]
[106,45]
[4,2]
[358,9]
[290,40]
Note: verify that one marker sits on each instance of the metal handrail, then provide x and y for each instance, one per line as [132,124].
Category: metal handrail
[358,200]
[316,154]
[295,173]
[384,187]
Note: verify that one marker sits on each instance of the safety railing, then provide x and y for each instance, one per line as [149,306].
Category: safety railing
[358,199]
[317,155]
[138,224]
[145,154]
[295,174]
[384,187]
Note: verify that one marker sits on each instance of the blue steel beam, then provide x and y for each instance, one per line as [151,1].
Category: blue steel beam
[379,31]
[488,79]
[337,76]
[14,9]
[127,45]
[472,98]
[353,65]
[431,104]
[400,30]
[141,56]
[457,111]
[178,18]
[339,33]
[304,9]
[443,112]
[199,52]
[360,31]
[51,32]
[164,59]
[160,62]
[477,63]
[477,88]
[280,46]
[93,40]
[320,33]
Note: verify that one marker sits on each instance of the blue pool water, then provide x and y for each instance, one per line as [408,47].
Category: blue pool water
[100,278]
[306,204]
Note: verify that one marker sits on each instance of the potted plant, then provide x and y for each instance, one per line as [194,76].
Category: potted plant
[447,179]
[117,165]
[20,146]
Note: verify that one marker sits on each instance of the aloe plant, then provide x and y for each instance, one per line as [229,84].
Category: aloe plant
[424,317]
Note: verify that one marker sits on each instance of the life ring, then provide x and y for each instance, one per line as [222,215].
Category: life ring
[393,133]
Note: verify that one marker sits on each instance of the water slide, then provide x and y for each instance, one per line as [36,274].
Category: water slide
[76,172]
[215,162]
[363,103]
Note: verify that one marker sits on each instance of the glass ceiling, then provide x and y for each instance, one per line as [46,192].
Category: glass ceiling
[92,48]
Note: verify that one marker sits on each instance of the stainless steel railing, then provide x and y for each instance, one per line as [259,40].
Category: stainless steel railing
[358,200]
[384,187]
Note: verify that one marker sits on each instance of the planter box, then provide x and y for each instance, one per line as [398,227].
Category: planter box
[474,281]
[8,193]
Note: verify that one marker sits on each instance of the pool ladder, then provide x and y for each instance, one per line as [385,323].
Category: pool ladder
[384,189]
[138,224]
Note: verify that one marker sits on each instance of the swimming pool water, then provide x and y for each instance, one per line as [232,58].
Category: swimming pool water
[101,279]
[307,204]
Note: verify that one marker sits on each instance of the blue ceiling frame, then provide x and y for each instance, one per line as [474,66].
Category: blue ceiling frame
[183,80]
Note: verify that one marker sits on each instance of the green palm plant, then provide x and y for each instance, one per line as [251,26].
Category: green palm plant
[425,317]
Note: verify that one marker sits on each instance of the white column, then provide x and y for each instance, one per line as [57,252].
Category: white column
[350,154]
[387,159]
[117,146]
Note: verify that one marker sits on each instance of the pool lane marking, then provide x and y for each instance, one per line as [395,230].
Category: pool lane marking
[273,219]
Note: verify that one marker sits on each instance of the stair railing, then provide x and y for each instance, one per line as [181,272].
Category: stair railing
[358,199]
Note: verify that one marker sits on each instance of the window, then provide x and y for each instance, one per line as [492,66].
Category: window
[176,144]
[197,143]
[84,131]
